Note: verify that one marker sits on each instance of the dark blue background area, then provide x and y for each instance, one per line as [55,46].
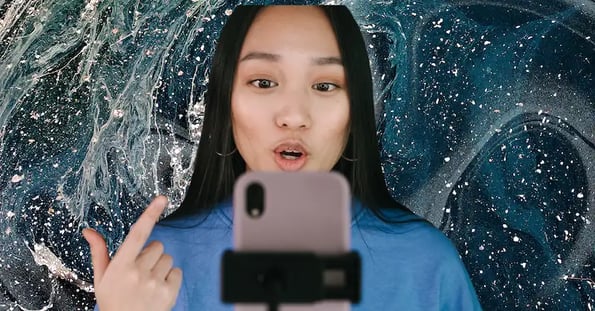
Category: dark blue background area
[486,118]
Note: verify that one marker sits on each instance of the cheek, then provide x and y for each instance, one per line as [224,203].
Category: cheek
[343,136]
[247,122]
[240,112]
[238,121]
[338,122]
[333,133]
[344,125]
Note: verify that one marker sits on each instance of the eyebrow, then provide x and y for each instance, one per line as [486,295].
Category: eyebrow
[331,60]
[328,61]
[261,55]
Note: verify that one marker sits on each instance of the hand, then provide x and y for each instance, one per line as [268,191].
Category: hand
[135,278]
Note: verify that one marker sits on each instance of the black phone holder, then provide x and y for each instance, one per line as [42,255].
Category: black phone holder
[289,277]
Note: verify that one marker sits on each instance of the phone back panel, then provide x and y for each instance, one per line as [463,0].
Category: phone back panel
[304,211]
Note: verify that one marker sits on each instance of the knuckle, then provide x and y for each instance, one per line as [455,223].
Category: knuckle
[155,246]
[175,275]
[136,236]
[158,246]
[167,259]
[141,235]
[152,284]
[136,277]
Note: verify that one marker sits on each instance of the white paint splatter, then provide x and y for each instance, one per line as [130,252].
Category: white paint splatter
[118,113]
[44,256]
[17,178]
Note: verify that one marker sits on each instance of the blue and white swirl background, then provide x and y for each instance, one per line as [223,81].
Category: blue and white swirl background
[486,113]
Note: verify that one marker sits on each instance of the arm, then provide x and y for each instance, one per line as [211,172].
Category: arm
[456,289]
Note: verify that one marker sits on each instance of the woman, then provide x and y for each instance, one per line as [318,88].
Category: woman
[290,89]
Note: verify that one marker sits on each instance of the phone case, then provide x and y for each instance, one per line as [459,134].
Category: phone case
[303,211]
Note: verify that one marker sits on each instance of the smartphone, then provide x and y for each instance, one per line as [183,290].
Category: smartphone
[297,211]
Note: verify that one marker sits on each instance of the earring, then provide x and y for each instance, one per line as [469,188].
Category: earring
[226,154]
[349,159]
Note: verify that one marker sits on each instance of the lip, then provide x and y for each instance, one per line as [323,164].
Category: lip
[290,164]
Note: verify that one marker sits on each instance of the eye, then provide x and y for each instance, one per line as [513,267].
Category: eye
[263,83]
[324,86]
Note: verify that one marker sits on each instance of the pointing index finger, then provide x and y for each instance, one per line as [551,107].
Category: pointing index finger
[140,231]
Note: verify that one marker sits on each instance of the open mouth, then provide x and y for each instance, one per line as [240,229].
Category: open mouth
[291,154]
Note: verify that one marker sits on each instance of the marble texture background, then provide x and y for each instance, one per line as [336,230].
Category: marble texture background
[486,113]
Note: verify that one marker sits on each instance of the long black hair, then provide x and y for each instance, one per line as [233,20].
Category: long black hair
[217,165]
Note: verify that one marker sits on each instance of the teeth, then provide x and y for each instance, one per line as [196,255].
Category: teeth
[288,157]
[291,154]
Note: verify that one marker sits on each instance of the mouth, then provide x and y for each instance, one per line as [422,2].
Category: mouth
[290,156]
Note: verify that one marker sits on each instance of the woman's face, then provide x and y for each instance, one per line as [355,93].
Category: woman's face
[290,108]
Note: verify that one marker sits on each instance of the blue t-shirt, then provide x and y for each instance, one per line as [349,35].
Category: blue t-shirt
[405,266]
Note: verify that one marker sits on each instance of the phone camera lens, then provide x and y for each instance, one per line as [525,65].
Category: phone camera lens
[255,200]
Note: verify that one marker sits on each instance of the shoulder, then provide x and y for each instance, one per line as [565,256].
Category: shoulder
[192,228]
[406,232]
[396,224]
[412,249]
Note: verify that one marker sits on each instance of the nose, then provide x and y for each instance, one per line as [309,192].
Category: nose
[293,112]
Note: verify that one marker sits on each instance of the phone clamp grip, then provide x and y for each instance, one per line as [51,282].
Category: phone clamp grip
[289,277]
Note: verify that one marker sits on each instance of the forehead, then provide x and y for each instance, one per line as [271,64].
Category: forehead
[295,29]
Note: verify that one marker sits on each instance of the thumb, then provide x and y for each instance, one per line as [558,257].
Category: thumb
[99,255]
